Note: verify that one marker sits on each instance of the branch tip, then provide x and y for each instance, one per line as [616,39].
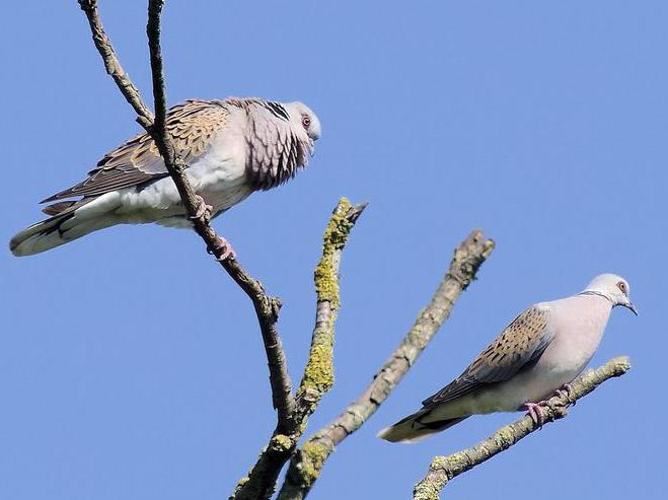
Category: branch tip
[318,377]
[306,464]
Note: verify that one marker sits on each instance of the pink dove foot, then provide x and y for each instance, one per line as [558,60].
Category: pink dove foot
[203,210]
[535,411]
[222,249]
[566,391]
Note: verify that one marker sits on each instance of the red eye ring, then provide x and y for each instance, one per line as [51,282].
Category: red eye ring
[306,121]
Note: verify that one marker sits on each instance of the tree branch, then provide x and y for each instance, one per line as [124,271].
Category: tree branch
[266,307]
[307,462]
[445,468]
[318,375]
[113,66]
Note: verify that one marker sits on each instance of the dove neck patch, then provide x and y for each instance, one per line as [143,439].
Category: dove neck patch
[277,110]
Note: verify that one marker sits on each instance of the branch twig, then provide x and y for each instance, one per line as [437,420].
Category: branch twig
[266,307]
[318,375]
[113,66]
[445,468]
[308,461]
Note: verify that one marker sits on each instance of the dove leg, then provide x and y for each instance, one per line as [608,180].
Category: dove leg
[222,248]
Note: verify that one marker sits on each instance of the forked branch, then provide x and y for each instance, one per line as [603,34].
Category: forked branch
[266,307]
[318,375]
[307,463]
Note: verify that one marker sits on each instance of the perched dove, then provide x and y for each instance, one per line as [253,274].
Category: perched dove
[540,352]
[233,147]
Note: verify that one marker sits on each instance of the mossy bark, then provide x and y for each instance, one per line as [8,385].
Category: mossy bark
[318,376]
[307,463]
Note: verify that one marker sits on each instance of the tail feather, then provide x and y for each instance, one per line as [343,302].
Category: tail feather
[55,231]
[59,207]
[414,428]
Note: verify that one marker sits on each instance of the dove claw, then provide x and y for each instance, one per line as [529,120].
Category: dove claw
[566,391]
[203,210]
[222,249]
[535,411]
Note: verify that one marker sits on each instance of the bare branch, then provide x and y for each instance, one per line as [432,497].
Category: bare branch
[266,307]
[318,375]
[113,65]
[445,468]
[308,461]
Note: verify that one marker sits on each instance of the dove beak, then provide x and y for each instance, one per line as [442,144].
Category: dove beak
[631,307]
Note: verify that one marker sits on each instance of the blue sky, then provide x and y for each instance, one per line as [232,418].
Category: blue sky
[132,367]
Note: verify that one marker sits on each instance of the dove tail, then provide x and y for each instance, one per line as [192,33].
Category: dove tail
[413,428]
[62,228]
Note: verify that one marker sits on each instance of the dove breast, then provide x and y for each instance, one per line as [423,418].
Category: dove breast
[220,177]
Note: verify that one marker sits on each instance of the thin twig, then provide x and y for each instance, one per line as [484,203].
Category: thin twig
[445,468]
[266,307]
[318,375]
[113,65]
[308,461]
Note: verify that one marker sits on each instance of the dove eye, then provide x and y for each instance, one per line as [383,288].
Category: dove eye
[622,287]
[306,121]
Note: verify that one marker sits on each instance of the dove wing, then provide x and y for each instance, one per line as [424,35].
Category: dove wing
[191,126]
[519,347]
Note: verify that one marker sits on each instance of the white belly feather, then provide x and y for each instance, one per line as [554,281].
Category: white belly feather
[219,177]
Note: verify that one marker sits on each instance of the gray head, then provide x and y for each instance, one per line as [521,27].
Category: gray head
[303,119]
[614,288]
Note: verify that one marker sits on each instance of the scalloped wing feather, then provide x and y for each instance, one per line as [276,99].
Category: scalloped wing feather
[191,125]
[519,347]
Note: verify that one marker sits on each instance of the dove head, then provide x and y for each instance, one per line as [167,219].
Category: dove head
[303,119]
[614,288]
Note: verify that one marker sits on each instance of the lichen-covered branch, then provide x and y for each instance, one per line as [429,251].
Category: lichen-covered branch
[308,461]
[266,307]
[318,375]
[445,468]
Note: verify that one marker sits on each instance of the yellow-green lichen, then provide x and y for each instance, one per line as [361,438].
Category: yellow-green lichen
[426,491]
[326,282]
[281,442]
[319,371]
[242,482]
[504,437]
[336,234]
[313,456]
[440,462]
[429,489]
[452,464]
